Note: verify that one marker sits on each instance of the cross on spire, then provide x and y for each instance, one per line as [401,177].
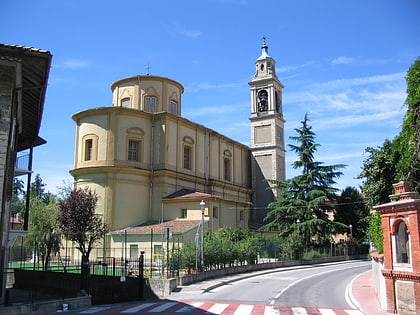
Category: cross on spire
[148,69]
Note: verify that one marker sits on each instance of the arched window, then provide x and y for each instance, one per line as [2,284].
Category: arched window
[402,249]
[173,107]
[125,102]
[262,101]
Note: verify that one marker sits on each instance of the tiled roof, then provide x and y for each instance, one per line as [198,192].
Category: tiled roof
[25,48]
[35,64]
[188,194]
[178,227]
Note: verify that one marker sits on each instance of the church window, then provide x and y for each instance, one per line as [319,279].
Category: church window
[150,103]
[125,102]
[173,107]
[187,157]
[241,215]
[187,150]
[402,244]
[227,169]
[227,165]
[134,144]
[90,144]
[134,150]
[88,149]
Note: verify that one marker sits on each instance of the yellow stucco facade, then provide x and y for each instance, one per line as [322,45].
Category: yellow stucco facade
[149,165]
[135,158]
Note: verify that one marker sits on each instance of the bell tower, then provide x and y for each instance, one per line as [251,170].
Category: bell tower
[267,133]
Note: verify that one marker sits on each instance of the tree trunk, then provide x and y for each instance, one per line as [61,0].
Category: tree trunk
[85,271]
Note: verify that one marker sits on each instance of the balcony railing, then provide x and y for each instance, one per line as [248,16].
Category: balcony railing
[22,165]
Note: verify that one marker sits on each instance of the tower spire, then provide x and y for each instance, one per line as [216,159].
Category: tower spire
[264,49]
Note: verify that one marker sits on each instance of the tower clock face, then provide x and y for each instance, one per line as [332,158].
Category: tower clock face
[262,101]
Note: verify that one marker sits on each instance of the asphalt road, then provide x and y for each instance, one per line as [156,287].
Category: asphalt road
[320,285]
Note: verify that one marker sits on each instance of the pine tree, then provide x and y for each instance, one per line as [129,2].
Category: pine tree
[304,203]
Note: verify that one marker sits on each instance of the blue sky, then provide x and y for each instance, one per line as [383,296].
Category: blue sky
[342,62]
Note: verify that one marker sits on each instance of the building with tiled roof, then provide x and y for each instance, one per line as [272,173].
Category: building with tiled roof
[149,165]
[24,75]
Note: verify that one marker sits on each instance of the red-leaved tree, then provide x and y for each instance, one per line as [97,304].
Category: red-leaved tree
[80,224]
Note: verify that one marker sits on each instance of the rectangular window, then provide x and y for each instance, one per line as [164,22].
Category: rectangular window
[241,215]
[173,107]
[133,150]
[187,157]
[88,149]
[150,104]
[134,251]
[183,213]
[215,212]
[226,169]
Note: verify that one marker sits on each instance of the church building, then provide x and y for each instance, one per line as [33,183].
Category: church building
[154,169]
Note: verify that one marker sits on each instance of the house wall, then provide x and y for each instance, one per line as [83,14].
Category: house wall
[7,80]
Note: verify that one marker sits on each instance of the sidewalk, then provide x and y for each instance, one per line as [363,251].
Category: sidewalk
[363,295]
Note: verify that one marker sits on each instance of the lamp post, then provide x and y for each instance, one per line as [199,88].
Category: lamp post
[202,205]
[351,231]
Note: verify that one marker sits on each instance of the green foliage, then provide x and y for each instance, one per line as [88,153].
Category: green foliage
[37,188]
[306,198]
[291,246]
[222,248]
[18,203]
[395,160]
[79,222]
[374,231]
[379,173]
[352,210]
[406,146]
[44,234]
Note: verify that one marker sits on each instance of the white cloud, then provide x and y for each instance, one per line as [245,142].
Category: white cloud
[352,82]
[73,64]
[342,60]
[187,32]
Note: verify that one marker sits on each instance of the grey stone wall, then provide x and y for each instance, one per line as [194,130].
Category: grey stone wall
[7,79]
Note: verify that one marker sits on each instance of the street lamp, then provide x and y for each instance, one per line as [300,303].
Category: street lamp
[202,205]
[351,231]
